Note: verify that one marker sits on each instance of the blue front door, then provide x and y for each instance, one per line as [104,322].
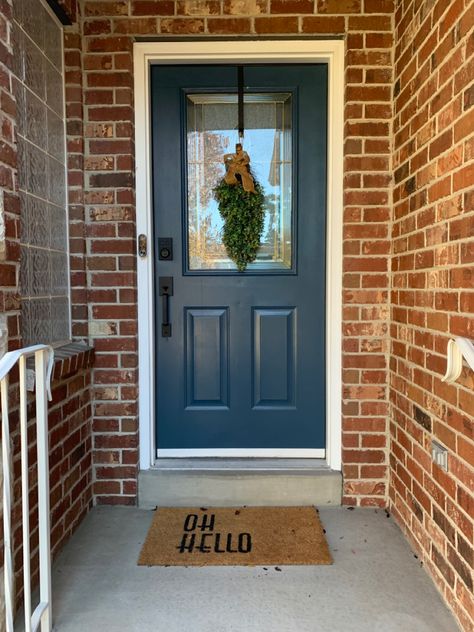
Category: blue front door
[240,356]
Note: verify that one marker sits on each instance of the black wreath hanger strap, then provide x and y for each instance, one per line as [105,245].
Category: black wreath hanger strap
[240,197]
[240,101]
[238,164]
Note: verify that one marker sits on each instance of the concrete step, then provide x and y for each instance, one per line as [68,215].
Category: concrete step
[235,482]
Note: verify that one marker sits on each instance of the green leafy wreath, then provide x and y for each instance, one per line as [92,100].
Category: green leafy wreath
[243,213]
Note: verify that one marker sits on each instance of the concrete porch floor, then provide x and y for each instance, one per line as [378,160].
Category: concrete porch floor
[375,584]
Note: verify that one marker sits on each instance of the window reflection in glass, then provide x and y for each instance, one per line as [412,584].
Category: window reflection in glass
[211,133]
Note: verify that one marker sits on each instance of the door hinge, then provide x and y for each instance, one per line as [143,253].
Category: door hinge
[142,245]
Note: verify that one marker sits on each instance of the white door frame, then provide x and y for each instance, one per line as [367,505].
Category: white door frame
[229,52]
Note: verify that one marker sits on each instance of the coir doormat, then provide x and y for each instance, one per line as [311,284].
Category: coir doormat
[238,536]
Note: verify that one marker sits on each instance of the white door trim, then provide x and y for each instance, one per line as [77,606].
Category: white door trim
[225,52]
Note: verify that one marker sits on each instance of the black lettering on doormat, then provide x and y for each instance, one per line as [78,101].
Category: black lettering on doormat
[185,545]
[245,542]
[203,547]
[241,543]
[217,542]
[207,522]
[229,544]
[205,525]
[190,522]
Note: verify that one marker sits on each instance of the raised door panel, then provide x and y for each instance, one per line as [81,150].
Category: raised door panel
[274,350]
[207,365]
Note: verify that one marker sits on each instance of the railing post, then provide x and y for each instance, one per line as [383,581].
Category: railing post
[7,536]
[44,356]
[25,494]
[43,489]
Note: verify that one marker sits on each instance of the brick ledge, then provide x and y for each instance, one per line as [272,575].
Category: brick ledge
[71,358]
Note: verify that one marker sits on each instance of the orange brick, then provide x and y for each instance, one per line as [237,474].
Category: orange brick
[228,25]
[291,6]
[323,24]
[153,7]
[199,8]
[339,6]
[106,8]
[276,25]
[182,26]
[136,26]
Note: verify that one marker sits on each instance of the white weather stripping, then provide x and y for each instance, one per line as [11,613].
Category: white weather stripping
[44,356]
[458,349]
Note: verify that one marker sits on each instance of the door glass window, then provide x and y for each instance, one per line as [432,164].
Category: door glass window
[211,133]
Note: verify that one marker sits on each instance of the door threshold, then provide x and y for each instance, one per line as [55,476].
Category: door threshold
[203,464]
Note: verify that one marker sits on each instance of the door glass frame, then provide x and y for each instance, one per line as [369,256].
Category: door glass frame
[293,270]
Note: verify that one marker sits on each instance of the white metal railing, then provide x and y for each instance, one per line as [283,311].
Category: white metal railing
[44,356]
[458,349]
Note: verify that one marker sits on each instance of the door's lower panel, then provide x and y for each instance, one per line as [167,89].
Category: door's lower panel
[274,357]
[207,365]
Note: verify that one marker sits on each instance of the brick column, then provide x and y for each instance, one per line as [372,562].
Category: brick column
[110,212]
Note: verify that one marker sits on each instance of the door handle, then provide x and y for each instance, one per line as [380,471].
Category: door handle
[166,290]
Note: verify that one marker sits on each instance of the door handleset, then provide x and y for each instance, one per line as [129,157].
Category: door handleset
[165,291]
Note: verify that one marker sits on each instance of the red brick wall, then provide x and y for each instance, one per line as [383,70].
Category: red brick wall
[108,32]
[70,459]
[110,212]
[432,295]
[70,411]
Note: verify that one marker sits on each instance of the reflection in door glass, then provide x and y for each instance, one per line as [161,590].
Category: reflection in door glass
[211,133]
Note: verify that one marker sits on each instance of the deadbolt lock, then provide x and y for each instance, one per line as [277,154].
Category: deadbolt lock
[165,249]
